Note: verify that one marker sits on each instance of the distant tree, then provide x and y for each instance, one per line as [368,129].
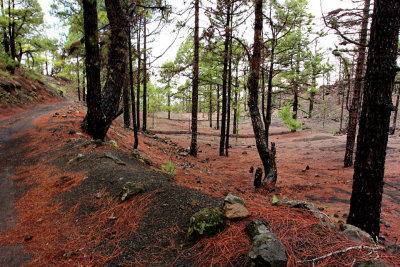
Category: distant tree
[366,198]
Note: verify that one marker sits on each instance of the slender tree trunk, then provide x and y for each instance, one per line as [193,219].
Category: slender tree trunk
[369,166]
[125,98]
[169,104]
[133,102]
[224,82]
[11,30]
[267,157]
[78,78]
[269,98]
[218,107]
[5,36]
[139,71]
[144,121]
[341,114]
[84,83]
[355,103]
[235,109]
[193,143]
[228,111]
[396,109]
[210,107]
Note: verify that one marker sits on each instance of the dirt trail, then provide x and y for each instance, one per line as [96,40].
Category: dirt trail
[9,127]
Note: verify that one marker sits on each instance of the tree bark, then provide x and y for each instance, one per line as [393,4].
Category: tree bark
[366,198]
[218,108]
[139,71]
[125,98]
[78,78]
[133,101]
[267,157]
[224,82]
[355,103]
[193,143]
[103,107]
[5,36]
[235,109]
[396,109]
[210,107]
[228,110]
[144,120]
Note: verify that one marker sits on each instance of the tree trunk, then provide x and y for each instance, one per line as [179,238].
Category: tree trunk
[84,84]
[267,157]
[144,120]
[139,71]
[133,102]
[218,108]
[125,98]
[269,97]
[355,103]
[235,109]
[224,82]
[78,78]
[396,109]
[103,107]
[193,143]
[5,36]
[210,107]
[169,104]
[369,166]
[228,110]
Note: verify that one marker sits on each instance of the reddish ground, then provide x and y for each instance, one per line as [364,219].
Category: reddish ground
[55,233]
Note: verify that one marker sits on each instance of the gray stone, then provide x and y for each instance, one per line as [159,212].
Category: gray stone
[235,211]
[232,199]
[130,189]
[267,250]
[357,235]
[113,143]
[393,249]
[114,158]
[257,227]
[206,222]
[77,158]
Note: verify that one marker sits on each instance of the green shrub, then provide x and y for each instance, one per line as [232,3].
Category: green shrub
[285,114]
[169,168]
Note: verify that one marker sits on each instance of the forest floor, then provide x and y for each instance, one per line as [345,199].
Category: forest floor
[67,209]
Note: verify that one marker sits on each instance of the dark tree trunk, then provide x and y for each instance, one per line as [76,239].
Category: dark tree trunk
[144,120]
[228,110]
[169,105]
[125,98]
[5,36]
[341,114]
[11,31]
[369,166]
[269,99]
[94,121]
[193,143]
[133,102]
[267,157]
[78,78]
[103,107]
[210,107]
[139,71]
[396,109]
[84,85]
[355,103]
[235,109]
[224,82]
[218,108]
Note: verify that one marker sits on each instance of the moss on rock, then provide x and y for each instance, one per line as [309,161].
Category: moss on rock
[206,222]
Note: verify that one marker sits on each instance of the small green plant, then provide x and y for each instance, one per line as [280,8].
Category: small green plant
[169,168]
[333,131]
[285,114]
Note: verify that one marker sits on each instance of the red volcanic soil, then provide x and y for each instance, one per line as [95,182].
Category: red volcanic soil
[68,213]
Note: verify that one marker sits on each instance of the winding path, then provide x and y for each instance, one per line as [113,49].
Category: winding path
[18,124]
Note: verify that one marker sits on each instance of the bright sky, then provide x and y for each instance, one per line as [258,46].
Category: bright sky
[162,42]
